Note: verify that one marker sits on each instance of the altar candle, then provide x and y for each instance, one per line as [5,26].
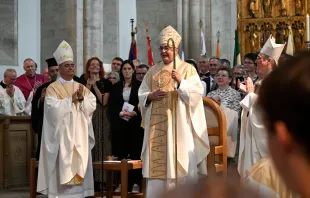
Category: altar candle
[308,27]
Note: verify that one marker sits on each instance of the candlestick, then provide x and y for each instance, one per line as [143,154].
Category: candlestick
[308,27]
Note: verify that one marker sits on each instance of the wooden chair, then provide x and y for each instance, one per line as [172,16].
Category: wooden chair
[216,123]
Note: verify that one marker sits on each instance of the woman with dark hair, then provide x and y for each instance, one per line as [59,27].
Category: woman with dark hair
[250,66]
[94,80]
[127,134]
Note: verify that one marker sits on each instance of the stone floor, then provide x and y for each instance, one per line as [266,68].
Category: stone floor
[21,193]
[17,193]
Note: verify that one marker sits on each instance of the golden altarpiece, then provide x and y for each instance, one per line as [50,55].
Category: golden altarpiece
[257,19]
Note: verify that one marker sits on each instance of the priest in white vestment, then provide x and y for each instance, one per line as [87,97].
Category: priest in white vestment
[12,100]
[253,136]
[166,109]
[65,165]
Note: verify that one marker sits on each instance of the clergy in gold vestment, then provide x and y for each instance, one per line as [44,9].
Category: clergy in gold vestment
[265,181]
[161,107]
[65,166]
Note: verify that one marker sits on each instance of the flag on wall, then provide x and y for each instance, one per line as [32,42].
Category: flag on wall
[237,56]
[203,50]
[149,52]
[218,52]
[290,43]
[133,51]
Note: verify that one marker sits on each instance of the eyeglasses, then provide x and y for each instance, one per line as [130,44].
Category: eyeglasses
[142,74]
[164,48]
[12,79]
[112,78]
[220,76]
[202,62]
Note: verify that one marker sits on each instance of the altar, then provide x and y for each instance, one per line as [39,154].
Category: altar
[15,150]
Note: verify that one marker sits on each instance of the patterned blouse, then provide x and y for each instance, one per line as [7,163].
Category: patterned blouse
[230,98]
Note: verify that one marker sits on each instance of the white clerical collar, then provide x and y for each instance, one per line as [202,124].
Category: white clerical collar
[63,81]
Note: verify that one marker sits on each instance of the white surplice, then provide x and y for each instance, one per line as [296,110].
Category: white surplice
[12,106]
[193,141]
[67,140]
[253,136]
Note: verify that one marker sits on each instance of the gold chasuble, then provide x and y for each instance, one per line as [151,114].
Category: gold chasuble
[159,121]
[265,181]
[160,117]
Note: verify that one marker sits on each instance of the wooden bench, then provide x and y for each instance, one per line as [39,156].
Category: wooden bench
[123,166]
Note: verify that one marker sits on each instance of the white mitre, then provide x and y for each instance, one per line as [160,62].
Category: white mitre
[167,33]
[63,53]
[272,49]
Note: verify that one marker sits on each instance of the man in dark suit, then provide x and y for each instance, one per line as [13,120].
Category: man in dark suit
[214,64]
[203,67]
[37,110]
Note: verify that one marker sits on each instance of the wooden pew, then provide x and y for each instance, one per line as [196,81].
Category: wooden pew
[16,149]
[216,123]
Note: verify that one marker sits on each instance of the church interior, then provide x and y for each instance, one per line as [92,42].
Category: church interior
[224,33]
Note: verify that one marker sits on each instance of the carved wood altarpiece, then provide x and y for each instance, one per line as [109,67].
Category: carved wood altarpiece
[257,19]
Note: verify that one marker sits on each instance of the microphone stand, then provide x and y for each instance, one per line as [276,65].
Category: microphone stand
[102,149]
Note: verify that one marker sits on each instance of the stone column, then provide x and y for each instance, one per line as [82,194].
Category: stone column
[185,28]
[208,27]
[194,29]
[93,29]
[58,23]
[159,14]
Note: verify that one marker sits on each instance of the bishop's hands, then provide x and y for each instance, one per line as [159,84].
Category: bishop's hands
[247,87]
[78,95]
[156,95]
[176,76]
[10,90]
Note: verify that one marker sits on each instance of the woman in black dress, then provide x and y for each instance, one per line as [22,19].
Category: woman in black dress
[94,80]
[127,136]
